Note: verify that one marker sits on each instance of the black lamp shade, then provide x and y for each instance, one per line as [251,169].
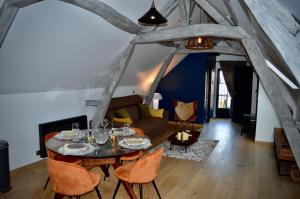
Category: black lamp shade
[152,18]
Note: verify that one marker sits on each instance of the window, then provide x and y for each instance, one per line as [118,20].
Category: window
[224,98]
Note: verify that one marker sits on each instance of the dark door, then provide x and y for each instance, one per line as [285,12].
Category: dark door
[223,97]
[241,100]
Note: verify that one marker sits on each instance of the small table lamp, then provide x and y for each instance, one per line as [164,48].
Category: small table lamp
[156,98]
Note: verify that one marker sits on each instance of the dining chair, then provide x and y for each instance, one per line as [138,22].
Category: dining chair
[55,156]
[141,172]
[135,155]
[71,180]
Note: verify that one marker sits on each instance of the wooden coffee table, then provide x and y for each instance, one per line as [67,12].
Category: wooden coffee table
[192,139]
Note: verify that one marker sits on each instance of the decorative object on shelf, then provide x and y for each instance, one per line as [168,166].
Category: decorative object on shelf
[152,17]
[199,43]
[156,98]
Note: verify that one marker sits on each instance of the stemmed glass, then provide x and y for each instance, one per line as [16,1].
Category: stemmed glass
[105,123]
[75,128]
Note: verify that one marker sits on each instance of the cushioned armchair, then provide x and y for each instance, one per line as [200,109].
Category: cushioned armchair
[185,113]
[141,172]
[71,180]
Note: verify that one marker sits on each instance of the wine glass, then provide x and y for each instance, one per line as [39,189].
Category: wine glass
[75,127]
[126,128]
[105,123]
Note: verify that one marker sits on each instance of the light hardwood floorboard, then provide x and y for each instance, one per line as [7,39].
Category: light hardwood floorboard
[237,168]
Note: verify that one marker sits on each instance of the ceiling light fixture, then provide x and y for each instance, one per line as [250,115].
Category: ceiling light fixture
[199,43]
[152,17]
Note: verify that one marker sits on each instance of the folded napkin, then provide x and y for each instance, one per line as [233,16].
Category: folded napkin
[145,145]
[67,135]
[123,132]
[80,151]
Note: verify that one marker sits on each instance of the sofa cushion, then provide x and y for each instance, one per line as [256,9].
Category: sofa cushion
[123,113]
[122,120]
[157,112]
[134,112]
[148,127]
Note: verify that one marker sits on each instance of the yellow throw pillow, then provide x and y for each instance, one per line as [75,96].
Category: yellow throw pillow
[122,115]
[157,112]
[122,120]
[184,110]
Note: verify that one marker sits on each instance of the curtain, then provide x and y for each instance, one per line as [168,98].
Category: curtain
[228,73]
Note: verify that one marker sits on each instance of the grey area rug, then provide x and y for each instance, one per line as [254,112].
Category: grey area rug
[199,151]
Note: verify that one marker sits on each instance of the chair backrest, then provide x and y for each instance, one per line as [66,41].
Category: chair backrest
[182,117]
[69,179]
[145,170]
[50,154]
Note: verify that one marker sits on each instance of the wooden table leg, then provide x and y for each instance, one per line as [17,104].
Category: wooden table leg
[104,168]
[126,185]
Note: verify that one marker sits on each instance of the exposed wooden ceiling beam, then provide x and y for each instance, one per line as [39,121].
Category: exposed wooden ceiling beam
[179,33]
[212,12]
[21,3]
[217,49]
[159,76]
[274,91]
[7,16]
[120,66]
[184,9]
[281,28]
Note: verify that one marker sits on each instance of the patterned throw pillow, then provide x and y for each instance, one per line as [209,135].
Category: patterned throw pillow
[157,112]
[184,110]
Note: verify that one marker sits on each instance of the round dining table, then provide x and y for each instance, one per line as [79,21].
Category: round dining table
[110,149]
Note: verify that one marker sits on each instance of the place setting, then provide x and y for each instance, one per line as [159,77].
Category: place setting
[77,141]
[127,138]
[102,140]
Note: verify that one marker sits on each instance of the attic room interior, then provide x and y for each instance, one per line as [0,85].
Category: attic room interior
[149,99]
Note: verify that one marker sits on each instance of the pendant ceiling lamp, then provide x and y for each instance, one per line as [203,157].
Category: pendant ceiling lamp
[152,17]
[199,43]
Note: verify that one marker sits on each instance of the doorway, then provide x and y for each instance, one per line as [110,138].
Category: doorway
[223,100]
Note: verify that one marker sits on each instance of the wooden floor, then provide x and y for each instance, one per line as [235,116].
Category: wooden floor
[237,168]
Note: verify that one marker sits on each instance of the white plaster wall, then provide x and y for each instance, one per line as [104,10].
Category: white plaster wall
[21,114]
[266,117]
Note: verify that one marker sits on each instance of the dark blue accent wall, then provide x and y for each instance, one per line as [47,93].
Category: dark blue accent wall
[186,82]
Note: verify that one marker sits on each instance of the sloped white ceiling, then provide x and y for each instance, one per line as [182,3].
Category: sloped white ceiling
[52,45]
